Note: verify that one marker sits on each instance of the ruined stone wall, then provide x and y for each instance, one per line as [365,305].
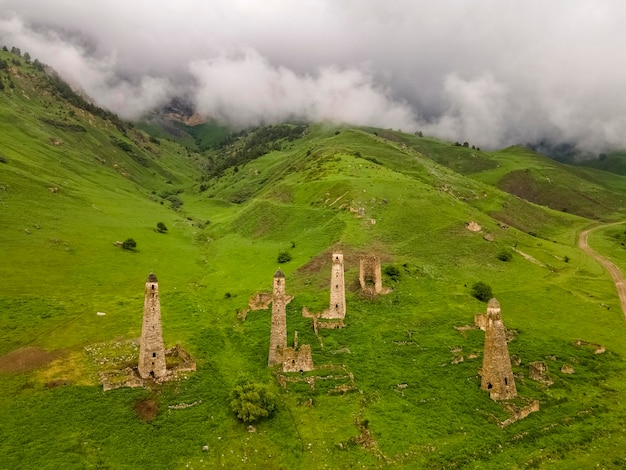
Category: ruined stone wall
[370,274]
[480,321]
[298,359]
[278,332]
[151,350]
[337,308]
[497,375]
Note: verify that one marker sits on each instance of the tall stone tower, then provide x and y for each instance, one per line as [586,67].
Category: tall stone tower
[337,289]
[278,332]
[497,375]
[151,351]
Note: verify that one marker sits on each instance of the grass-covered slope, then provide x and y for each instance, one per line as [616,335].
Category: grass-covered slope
[413,406]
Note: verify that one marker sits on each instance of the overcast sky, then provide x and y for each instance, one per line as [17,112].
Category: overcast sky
[492,72]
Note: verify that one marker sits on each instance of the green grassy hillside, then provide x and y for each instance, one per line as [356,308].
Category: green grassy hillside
[67,194]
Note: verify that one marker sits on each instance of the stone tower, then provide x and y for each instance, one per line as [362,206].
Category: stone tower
[370,275]
[337,289]
[278,332]
[151,351]
[497,376]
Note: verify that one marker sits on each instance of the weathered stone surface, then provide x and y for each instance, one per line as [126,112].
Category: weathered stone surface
[567,369]
[298,359]
[497,375]
[370,275]
[278,332]
[337,308]
[473,226]
[539,371]
[152,351]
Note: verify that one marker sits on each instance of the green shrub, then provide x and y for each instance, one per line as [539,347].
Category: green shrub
[129,244]
[392,272]
[252,401]
[283,257]
[482,291]
[505,255]
[161,228]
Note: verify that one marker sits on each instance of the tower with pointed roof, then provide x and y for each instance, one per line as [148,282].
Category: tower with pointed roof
[151,350]
[497,375]
[278,332]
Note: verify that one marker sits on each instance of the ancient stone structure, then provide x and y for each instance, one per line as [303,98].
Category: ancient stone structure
[151,350]
[370,275]
[278,332]
[497,375]
[480,321]
[538,371]
[297,359]
[337,309]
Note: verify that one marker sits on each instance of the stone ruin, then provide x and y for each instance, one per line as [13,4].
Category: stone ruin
[538,371]
[337,308]
[334,316]
[296,359]
[152,364]
[497,375]
[370,275]
[152,351]
[278,331]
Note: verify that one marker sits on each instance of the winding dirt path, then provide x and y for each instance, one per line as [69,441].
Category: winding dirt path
[614,271]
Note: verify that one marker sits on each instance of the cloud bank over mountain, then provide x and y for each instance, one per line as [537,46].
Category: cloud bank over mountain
[492,72]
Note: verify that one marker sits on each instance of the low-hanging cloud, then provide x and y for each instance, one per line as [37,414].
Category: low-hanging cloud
[246,89]
[492,72]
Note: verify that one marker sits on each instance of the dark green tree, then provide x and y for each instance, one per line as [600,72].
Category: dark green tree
[161,228]
[482,291]
[283,257]
[252,401]
[129,244]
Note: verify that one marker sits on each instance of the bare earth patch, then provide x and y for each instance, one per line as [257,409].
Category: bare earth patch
[146,409]
[25,359]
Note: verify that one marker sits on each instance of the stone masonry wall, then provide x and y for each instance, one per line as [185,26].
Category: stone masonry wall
[278,333]
[151,350]
[370,274]
[497,375]
[337,308]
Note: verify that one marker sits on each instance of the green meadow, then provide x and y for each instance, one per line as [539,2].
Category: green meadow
[73,182]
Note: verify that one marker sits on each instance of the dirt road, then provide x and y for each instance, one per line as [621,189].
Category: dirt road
[614,271]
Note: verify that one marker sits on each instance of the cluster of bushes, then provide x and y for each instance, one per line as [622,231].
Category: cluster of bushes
[466,145]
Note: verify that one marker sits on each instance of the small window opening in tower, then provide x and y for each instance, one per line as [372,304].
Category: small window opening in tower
[152,373]
[506,381]
[337,258]
[293,362]
[152,286]
[489,386]
[336,305]
[337,286]
[153,363]
[154,354]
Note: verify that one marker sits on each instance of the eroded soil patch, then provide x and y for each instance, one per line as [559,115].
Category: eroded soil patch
[25,359]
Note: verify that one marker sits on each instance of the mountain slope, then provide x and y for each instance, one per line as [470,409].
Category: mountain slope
[229,213]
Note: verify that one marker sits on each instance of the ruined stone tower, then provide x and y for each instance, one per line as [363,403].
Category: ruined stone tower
[151,351]
[497,376]
[370,275]
[337,308]
[278,332]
